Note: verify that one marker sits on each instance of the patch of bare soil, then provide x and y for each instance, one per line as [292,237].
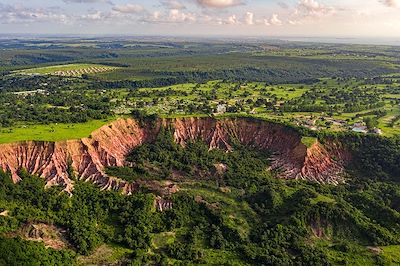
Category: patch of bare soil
[375,250]
[320,229]
[52,236]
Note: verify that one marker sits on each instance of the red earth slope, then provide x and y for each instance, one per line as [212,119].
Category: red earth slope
[109,145]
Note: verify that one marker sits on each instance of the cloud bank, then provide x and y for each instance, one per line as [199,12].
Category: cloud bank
[247,16]
[389,3]
[219,3]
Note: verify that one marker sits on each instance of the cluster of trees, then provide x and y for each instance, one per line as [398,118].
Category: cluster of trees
[93,217]
[242,67]
[59,106]
[158,160]
[15,251]
[338,100]
[29,83]
[374,157]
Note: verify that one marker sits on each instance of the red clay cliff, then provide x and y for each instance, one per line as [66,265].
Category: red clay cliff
[109,145]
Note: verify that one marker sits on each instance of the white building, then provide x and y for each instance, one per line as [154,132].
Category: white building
[221,108]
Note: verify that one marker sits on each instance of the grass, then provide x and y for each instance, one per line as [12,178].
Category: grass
[358,257]
[105,254]
[170,101]
[322,198]
[51,132]
[355,254]
[221,257]
[308,141]
[392,254]
[162,240]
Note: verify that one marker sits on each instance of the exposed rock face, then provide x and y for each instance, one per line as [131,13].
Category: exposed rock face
[50,235]
[162,204]
[324,164]
[291,159]
[88,157]
[109,145]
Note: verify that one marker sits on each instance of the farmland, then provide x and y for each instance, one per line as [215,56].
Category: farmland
[70,70]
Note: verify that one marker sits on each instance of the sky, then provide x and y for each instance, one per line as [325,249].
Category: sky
[324,18]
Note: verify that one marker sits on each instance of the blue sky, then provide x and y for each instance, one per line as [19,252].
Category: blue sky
[328,18]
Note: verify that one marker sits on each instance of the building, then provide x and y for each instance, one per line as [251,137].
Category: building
[360,128]
[377,131]
[221,108]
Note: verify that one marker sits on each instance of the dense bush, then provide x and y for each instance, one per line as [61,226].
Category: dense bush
[15,251]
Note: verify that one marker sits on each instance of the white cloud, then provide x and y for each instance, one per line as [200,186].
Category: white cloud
[173,4]
[275,20]
[87,1]
[155,16]
[95,16]
[364,17]
[312,8]
[128,8]
[249,18]
[294,22]
[389,3]
[219,3]
[232,20]
[21,14]
[171,16]
[266,22]
[175,15]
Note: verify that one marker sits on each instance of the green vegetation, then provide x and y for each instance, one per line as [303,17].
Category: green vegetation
[309,141]
[164,159]
[375,157]
[392,253]
[105,254]
[297,83]
[51,132]
[228,210]
[15,251]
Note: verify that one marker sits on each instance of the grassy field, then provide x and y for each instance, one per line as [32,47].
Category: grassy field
[308,141]
[106,254]
[392,253]
[358,256]
[67,70]
[51,132]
